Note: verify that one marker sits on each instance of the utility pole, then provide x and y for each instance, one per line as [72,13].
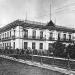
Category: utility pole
[26,16]
[50,11]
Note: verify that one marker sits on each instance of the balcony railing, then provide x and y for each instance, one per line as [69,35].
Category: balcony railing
[33,38]
[13,37]
[51,39]
[66,40]
[7,38]
[38,38]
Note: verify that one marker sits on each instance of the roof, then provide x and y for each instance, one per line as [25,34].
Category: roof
[50,26]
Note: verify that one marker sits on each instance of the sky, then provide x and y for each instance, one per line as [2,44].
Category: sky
[62,11]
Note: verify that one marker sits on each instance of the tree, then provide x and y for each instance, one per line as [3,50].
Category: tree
[70,49]
[58,49]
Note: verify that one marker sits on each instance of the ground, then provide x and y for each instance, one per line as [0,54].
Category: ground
[8,67]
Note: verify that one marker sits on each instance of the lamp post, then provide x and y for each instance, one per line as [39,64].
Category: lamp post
[68,61]
[53,58]
[41,57]
[32,55]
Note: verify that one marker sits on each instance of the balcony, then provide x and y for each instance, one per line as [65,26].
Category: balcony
[66,40]
[13,37]
[51,39]
[34,38]
[7,38]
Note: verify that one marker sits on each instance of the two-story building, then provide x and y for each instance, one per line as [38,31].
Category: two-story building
[28,34]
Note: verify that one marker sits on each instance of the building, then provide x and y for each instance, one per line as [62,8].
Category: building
[27,34]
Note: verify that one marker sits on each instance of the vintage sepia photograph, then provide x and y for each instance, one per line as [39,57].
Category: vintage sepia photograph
[37,37]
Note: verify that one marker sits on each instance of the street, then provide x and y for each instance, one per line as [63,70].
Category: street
[8,67]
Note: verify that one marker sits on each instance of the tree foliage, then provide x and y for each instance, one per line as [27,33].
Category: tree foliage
[59,49]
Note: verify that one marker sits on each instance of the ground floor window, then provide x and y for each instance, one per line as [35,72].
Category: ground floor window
[33,45]
[41,45]
[50,46]
[5,45]
[14,45]
[10,45]
[25,45]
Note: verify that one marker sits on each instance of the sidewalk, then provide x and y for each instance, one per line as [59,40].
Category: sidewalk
[37,64]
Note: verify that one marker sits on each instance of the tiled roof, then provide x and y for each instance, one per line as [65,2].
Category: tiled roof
[33,24]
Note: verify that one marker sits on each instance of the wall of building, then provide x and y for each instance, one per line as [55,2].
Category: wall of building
[19,37]
[45,44]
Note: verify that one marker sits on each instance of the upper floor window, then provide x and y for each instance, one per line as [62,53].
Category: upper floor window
[14,32]
[13,45]
[41,34]
[5,35]
[0,36]
[25,33]
[51,36]
[3,44]
[69,37]
[64,36]
[34,34]
[58,36]
[10,33]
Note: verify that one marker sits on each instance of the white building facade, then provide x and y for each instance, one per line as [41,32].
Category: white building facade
[23,35]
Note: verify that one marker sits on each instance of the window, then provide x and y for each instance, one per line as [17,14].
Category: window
[58,36]
[33,45]
[10,33]
[25,45]
[26,33]
[51,36]
[41,34]
[13,45]
[50,46]
[7,34]
[41,45]
[69,37]
[10,44]
[0,37]
[14,32]
[34,34]
[64,37]
[5,45]
[3,36]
